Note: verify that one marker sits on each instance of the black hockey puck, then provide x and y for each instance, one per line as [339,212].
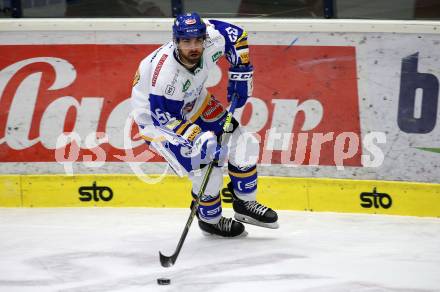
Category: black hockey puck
[163,281]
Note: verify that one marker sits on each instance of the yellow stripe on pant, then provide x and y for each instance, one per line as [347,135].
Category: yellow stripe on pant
[280,193]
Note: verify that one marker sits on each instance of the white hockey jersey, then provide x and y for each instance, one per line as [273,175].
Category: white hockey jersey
[166,95]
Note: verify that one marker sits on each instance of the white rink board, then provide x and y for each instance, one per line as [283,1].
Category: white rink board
[380,48]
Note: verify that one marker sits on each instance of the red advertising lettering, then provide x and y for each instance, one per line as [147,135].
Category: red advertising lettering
[304,106]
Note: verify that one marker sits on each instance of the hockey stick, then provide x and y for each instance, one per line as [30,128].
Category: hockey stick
[168,261]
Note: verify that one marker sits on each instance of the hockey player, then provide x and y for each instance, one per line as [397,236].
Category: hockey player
[182,121]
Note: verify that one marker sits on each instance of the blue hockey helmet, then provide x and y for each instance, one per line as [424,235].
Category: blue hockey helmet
[189,25]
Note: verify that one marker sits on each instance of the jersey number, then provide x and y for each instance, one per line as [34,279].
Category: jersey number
[232,34]
[162,117]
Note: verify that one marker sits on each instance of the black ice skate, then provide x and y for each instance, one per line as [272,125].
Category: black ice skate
[252,212]
[226,227]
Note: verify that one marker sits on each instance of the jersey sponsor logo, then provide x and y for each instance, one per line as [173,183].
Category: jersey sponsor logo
[158,68]
[194,130]
[186,85]
[213,111]
[169,90]
[137,76]
[216,56]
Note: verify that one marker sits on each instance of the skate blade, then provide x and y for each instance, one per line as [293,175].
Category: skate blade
[250,220]
[207,234]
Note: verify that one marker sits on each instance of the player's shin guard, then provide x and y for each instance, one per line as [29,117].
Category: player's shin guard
[211,222]
[244,182]
[210,209]
[243,187]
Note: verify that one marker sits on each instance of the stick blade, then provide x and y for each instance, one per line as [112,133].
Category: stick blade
[165,261]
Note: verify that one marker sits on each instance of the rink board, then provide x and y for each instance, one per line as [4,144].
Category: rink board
[325,80]
[281,193]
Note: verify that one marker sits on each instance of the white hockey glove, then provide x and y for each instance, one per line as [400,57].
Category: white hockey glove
[206,144]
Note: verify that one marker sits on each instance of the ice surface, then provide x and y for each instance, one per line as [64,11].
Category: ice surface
[116,249]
